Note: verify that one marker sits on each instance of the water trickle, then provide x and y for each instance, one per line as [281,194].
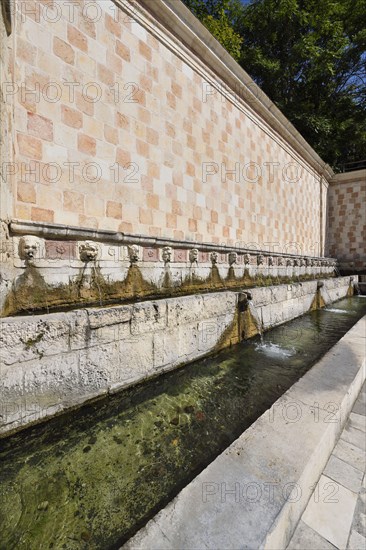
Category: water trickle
[274,350]
[257,320]
[95,280]
[337,310]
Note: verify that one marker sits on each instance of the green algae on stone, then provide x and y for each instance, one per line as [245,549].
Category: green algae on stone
[31,294]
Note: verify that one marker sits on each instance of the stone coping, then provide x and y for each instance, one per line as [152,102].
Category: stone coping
[349,177]
[189,35]
[254,493]
[72,233]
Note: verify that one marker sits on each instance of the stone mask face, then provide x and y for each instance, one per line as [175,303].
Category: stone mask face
[232,258]
[88,252]
[260,259]
[167,254]
[193,255]
[28,248]
[133,254]
[246,259]
[214,257]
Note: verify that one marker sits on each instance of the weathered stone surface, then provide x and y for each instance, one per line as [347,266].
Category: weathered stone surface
[99,366]
[184,311]
[79,329]
[26,338]
[101,317]
[53,376]
[167,349]
[219,303]
[148,317]
[63,357]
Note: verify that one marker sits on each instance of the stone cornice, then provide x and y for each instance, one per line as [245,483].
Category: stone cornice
[349,177]
[65,232]
[173,17]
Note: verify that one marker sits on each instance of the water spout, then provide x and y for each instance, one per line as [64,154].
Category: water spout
[97,285]
[249,320]
[255,315]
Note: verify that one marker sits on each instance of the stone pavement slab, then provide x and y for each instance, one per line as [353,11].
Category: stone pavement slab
[336,512]
[350,454]
[358,421]
[330,511]
[344,473]
[354,436]
[360,405]
[359,517]
[356,541]
[305,538]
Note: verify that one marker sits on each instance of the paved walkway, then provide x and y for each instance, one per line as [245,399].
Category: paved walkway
[335,516]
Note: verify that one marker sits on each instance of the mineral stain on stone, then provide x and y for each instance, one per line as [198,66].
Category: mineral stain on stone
[31,294]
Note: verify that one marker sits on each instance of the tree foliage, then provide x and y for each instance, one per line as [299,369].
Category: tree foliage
[309,57]
[213,14]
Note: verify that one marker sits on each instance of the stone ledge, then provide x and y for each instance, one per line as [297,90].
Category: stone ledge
[358,176]
[277,458]
[74,233]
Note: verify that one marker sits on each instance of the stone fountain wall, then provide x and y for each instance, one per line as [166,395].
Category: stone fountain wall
[53,362]
[142,164]
[129,117]
[61,267]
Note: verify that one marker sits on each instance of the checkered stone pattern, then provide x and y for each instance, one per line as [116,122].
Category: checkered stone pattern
[115,131]
[347,222]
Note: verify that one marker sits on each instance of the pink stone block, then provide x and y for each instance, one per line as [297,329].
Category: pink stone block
[151,255]
[180,255]
[60,250]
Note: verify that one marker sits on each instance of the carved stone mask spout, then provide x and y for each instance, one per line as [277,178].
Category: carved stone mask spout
[214,257]
[28,248]
[133,254]
[167,254]
[232,258]
[193,255]
[88,252]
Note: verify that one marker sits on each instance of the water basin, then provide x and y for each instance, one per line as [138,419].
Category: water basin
[91,478]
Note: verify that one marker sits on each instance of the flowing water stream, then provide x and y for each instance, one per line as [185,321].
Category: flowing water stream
[91,478]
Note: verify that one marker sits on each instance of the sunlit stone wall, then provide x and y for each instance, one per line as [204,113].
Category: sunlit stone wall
[346,239]
[120,125]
